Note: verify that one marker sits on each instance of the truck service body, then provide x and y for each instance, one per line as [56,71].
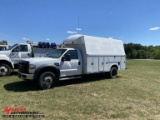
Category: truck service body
[81,55]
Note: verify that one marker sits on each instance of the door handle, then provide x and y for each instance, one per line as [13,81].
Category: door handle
[79,63]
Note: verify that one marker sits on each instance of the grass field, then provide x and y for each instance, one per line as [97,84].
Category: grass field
[134,95]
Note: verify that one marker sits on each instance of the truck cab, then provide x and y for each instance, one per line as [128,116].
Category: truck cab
[4,47]
[66,62]
[10,58]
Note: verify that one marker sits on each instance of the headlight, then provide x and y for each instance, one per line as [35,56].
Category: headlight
[32,68]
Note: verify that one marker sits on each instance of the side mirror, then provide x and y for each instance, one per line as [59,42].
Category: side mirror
[66,58]
[63,59]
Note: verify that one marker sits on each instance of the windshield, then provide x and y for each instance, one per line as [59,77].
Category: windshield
[13,46]
[57,53]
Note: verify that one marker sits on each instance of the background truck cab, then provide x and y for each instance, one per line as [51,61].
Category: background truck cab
[4,47]
[10,58]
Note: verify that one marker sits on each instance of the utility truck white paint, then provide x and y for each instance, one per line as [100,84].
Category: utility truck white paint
[4,47]
[98,54]
[81,55]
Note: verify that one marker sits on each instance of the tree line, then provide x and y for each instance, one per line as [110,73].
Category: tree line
[138,51]
[3,42]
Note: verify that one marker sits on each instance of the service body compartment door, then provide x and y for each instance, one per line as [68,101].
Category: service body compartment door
[95,64]
[89,64]
[106,64]
[92,64]
[101,64]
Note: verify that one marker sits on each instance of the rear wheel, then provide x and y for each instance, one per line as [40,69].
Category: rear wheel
[5,70]
[113,72]
[47,80]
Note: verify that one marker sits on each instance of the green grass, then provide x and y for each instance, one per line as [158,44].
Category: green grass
[134,95]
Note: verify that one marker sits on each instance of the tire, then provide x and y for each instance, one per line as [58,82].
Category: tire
[113,72]
[5,70]
[47,80]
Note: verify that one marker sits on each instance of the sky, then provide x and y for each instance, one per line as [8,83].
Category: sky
[132,21]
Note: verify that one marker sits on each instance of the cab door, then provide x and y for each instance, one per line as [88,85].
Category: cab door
[23,51]
[19,52]
[71,66]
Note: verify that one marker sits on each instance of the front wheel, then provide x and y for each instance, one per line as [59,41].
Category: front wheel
[113,72]
[47,80]
[5,70]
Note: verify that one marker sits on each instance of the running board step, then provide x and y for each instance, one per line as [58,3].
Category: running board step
[69,78]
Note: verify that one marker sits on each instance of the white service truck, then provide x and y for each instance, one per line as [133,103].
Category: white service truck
[4,47]
[81,55]
[10,58]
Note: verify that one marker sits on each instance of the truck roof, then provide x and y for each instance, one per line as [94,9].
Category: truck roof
[96,45]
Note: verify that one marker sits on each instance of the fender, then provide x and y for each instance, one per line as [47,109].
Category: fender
[5,58]
[115,64]
[44,67]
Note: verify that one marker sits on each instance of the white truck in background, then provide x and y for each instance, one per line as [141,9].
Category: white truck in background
[10,58]
[81,55]
[4,47]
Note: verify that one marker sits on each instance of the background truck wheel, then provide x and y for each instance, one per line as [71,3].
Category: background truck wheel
[5,70]
[113,72]
[47,80]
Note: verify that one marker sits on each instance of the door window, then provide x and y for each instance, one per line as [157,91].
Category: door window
[23,48]
[20,48]
[16,49]
[73,54]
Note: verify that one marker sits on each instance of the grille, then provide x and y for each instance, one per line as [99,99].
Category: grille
[24,66]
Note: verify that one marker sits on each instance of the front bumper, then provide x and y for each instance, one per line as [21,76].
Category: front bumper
[26,76]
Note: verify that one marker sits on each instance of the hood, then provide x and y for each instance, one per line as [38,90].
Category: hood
[44,60]
[5,52]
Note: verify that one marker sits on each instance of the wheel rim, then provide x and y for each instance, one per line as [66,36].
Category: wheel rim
[47,82]
[3,70]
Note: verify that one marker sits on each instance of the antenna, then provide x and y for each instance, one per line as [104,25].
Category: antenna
[78,23]
[78,28]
